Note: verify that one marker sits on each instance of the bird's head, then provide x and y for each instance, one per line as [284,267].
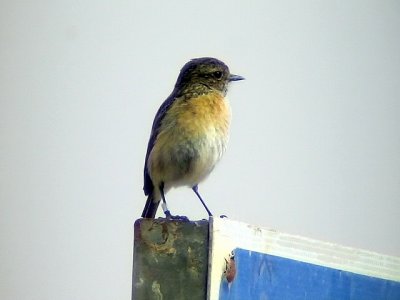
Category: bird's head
[208,72]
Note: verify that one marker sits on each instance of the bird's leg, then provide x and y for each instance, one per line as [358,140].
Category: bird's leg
[196,191]
[165,207]
[164,203]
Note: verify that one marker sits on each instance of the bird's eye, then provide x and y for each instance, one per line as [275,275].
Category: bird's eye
[217,74]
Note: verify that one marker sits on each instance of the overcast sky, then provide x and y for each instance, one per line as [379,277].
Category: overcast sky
[315,136]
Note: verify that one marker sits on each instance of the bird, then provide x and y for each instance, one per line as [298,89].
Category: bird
[189,133]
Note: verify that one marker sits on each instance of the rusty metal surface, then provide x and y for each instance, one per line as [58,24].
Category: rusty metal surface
[170,260]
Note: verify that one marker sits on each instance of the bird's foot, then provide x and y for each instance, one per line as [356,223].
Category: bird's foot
[175,218]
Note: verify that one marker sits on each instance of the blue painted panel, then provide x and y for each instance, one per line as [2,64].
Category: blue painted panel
[267,277]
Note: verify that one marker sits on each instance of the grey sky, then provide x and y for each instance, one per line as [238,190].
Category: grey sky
[314,146]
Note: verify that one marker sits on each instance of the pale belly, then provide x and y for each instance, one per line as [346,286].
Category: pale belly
[188,162]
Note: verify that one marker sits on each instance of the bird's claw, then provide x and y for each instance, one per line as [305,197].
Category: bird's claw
[175,218]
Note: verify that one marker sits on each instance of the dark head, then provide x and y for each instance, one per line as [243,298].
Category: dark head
[207,73]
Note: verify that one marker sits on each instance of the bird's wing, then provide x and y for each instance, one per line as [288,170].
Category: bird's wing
[148,184]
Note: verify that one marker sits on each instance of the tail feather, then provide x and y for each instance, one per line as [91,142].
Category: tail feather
[150,208]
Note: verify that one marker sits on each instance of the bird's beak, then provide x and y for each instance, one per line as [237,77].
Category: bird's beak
[233,77]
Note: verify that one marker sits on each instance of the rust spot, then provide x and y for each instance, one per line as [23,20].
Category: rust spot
[160,236]
[230,268]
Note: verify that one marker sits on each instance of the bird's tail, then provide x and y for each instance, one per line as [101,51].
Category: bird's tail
[150,208]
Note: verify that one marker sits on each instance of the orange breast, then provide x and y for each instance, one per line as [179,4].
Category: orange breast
[205,114]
